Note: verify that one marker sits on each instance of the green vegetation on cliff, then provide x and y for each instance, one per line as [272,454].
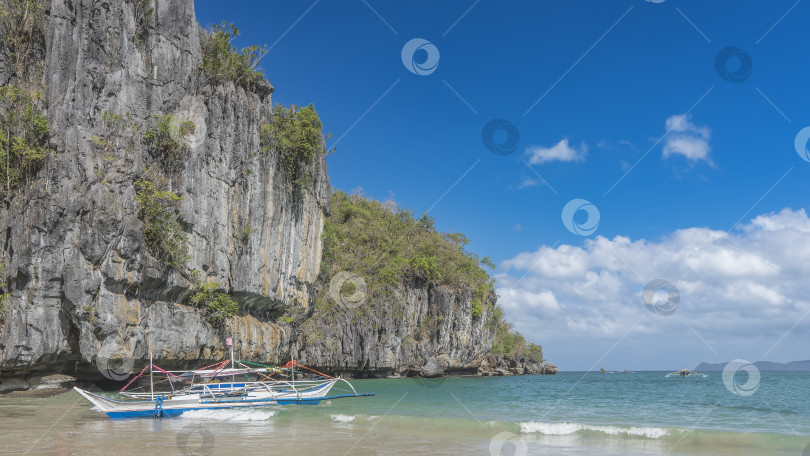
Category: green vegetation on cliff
[162,227]
[217,305]
[24,130]
[23,136]
[295,136]
[22,25]
[4,293]
[161,141]
[512,344]
[222,61]
[386,245]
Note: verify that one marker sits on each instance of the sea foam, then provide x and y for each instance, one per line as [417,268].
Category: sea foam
[344,418]
[230,415]
[572,428]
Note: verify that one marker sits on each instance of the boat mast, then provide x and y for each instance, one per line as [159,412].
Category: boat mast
[151,379]
[229,343]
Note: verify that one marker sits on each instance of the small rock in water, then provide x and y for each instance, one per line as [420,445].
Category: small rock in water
[432,368]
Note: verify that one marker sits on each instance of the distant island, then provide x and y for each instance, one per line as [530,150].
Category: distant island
[761,365]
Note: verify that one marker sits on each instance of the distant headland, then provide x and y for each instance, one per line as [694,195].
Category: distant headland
[761,365]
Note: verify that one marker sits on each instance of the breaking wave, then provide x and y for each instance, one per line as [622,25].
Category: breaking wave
[573,428]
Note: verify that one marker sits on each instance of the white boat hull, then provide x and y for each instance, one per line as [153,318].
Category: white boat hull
[168,405]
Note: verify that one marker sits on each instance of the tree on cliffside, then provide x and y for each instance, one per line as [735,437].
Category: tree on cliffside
[24,137]
[295,136]
[21,24]
[222,61]
[24,130]
[387,245]
[511,344]
[162,228]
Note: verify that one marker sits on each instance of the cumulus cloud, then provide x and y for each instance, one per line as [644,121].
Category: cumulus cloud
[562,151]
[687,139]
[746,289]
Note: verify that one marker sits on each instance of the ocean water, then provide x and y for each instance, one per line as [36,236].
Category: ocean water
[567,414]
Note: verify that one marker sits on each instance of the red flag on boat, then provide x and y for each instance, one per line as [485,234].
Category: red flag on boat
[229,341]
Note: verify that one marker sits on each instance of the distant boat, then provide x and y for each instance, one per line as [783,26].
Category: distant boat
[684,373]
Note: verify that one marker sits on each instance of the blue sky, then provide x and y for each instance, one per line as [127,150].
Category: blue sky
[601,92]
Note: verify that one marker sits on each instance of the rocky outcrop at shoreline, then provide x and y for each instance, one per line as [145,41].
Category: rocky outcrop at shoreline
[497,366]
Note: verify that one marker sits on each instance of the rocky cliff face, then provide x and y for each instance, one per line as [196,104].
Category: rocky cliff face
[421,329]
[83,283]
[84,286]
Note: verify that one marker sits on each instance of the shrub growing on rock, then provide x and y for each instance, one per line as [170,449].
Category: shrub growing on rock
[295,136]
[162,227]
[217,305]
[22,23]
[222,61]
[387,245]
[511,344]
[24,133]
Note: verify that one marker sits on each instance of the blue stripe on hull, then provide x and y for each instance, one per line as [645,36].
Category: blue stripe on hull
[302,402]
[167,413]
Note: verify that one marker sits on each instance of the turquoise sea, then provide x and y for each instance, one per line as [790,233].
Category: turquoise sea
[566,414]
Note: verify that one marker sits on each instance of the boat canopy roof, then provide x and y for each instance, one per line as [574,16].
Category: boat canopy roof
[221,372]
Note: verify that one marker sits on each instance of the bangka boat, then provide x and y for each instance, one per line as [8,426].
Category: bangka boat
[217,387]
[685,373]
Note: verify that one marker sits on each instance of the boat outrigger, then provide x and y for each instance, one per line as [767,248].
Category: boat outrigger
[218,387]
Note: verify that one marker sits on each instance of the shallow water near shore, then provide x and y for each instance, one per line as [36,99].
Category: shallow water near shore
[567,414]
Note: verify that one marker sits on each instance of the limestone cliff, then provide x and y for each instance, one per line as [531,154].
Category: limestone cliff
[72,238]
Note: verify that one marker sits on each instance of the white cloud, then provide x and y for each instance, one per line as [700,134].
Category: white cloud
[687,139]
[528,182]
[738,292]
[561,151]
